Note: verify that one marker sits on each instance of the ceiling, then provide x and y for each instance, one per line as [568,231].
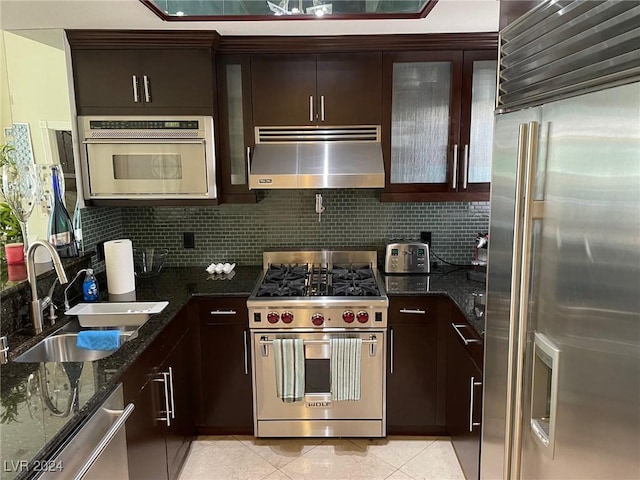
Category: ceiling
[448,16]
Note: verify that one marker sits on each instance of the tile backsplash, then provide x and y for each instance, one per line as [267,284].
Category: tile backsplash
[286,218]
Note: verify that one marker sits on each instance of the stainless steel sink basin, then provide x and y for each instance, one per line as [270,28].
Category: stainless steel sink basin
[62,348]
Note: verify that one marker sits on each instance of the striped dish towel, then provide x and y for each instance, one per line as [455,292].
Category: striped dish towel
[345,368]
[288,355]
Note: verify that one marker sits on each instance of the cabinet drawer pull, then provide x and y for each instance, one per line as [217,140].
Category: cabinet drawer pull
[322,108]
[136,95]
[413,310]
[223,312]
[473,384]
[466,341]
[311,108]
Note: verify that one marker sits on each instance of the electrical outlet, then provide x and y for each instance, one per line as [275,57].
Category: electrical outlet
[100,250]
[189,239]
[426,238]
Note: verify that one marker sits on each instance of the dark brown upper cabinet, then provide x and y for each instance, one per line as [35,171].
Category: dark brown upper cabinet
[125,72]
[438,124]
[326,89]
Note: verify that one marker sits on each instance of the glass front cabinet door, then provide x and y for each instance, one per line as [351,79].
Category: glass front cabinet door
[235,127]
[438,110]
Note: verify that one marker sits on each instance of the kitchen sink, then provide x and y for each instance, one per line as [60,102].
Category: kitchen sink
[62,347]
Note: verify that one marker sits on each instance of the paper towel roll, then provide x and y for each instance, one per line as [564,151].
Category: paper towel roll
[118,259]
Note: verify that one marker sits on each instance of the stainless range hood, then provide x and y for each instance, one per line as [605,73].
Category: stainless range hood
[317,157]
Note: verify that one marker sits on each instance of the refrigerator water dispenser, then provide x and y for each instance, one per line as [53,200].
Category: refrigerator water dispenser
[544,391]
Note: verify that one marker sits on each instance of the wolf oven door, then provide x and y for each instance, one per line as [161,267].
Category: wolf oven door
[316,414]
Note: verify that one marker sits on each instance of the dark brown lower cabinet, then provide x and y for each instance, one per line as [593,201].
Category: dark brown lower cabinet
[225,380]
[415,376]
[160,429]
[464,393]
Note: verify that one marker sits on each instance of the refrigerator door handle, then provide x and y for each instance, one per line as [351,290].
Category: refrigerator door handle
[524,272]
[523,131]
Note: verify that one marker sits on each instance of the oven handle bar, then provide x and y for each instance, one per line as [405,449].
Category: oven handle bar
[372,340]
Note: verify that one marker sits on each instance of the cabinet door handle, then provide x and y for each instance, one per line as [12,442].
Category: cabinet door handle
[454,181]
[322,108]
[465,167]
[391,350]
[413,310]
[246,351]
[173,401]
[223,312]
[311,108]
[466,341]
[136,94]
[472,386]
[248,163]
[147,90]
[165,383]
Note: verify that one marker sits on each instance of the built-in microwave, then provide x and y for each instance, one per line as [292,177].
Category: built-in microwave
[147,157]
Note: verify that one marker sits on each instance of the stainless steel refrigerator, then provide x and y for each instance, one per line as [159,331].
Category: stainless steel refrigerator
[561,395]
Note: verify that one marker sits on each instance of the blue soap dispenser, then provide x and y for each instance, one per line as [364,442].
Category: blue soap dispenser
[90,287]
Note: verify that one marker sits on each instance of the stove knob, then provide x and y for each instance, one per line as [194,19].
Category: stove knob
[272,317]
[363,317]
[348,316]
[317,319]
[287,317]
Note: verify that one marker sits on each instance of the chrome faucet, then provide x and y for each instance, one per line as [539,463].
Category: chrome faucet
[39,304]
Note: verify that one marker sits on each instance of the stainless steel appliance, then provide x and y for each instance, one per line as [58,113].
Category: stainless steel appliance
[407,256]
[98,451]
[148,157]
[562,341]
[316,297]
[312,157]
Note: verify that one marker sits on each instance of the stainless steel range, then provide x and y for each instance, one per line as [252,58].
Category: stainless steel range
[319,325]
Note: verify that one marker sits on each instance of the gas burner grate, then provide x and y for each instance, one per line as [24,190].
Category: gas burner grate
[352,273]
[280,273]
[314,280]
[285,288]
[356,287]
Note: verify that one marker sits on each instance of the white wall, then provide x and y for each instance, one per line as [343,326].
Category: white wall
[39,96]
[5,102]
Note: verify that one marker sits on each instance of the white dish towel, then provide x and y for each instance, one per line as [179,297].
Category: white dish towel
[288,355]
[345,368]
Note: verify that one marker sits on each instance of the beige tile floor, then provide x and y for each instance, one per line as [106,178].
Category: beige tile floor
[248,458]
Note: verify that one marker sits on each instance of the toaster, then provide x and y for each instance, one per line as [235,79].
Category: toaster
[407,256]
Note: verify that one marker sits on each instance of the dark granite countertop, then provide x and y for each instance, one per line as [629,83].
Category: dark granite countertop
[444,280]
[30,432]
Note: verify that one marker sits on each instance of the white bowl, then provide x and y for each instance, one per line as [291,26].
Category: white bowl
[228,267]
